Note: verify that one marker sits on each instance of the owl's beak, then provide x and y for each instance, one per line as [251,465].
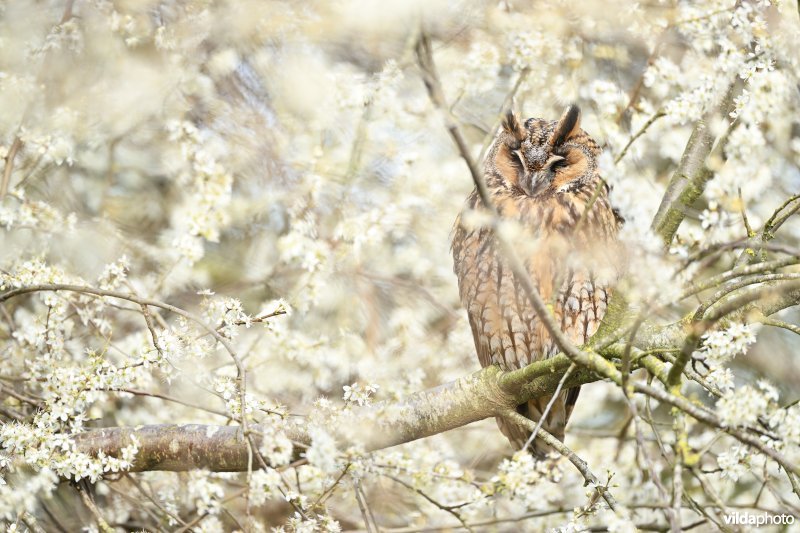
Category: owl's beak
[541,179]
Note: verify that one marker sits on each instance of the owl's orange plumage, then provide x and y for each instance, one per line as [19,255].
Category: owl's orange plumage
[543,175]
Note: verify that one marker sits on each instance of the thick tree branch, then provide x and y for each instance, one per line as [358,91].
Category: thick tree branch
[175,447]
[689,180]
[223,448]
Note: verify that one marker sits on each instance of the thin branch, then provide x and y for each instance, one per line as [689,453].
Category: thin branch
[755,250]
[780,324]
[748,229]
[166,397]
[436,94]
[9,166]
[362,505]
[87,500]
[638,134]
[21,397]
[775,221]
[549,406]
[507,104]
[747,270]
[452,509]
[561,448]
[67,11]
[155,502]
[731,287]
[200,517]
[324,496]
[680,448]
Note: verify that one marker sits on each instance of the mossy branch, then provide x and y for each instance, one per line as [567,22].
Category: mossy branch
[694,170]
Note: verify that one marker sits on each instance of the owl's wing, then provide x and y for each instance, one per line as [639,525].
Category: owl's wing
[484,355]
[469,247]
[571,400]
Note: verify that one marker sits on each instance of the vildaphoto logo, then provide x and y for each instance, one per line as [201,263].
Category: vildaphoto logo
[758,519]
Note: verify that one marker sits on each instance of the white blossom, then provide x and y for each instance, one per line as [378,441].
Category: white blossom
[356,394]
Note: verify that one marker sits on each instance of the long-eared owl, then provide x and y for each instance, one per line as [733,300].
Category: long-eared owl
[543,179]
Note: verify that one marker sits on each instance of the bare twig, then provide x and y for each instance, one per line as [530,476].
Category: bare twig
[452,509]
[9,166]
[166,397]
[102,524]
[747,270]
[507,104]
[362,505]
[731,287]
[549,406]
[638,134]
[199,518]
[780,324]
[155,502]
[561,448]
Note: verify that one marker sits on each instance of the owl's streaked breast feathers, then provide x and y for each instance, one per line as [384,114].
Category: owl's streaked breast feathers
[543,176]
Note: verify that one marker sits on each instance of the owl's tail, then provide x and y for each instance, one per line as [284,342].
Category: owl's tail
[554,423]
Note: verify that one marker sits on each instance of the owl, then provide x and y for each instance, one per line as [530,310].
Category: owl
[543,180]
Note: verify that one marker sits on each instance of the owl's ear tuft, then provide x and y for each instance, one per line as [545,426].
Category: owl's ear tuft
[512,126]
[568,125]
